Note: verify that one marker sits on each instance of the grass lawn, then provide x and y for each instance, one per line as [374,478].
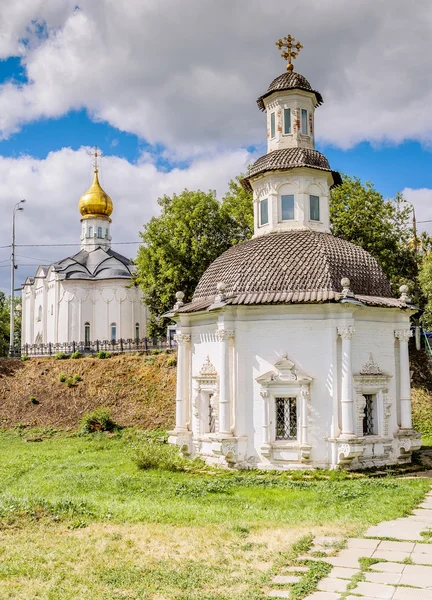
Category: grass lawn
[79,520]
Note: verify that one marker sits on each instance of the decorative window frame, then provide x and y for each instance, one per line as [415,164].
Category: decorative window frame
[206,383]
[371,380]
[285,381]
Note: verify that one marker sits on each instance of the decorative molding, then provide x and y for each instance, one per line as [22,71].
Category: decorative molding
[182,338]
[285,372]
[346,333]
[208,369]
[403,335]
[370,367]
[222,335]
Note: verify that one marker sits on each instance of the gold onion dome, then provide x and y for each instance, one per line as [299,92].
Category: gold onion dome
[95,202]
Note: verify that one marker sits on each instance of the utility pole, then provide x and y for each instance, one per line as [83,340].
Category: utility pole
[13,267]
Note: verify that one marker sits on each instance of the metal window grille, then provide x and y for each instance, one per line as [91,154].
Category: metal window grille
[212,415]
[286,418]
[369,416]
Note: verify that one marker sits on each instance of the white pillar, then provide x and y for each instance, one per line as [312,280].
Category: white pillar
[265,418]
[223,336]
[304,394]
[182,340]
[403,336]
[347,402]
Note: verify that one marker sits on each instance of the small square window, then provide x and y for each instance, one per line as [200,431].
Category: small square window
[273,125]
[314,208]
[264,212]
[369,419]
[287,120]
[286,418]
[304,122]
[287,202]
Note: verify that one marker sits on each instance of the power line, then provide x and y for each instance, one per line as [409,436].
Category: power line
[62,245]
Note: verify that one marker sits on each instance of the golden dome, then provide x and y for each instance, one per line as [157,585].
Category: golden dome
[95,202]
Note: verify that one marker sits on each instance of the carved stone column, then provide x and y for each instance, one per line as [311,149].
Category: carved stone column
[403,335]
[182,340]
[347,401]
[224,336]
[266,421]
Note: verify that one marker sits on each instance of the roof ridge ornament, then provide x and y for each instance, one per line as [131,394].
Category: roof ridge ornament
[288,42]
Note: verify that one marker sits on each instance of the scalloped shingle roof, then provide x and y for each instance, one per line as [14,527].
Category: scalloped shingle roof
[289,81]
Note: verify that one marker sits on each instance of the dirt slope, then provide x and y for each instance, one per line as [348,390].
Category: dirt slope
[139,390]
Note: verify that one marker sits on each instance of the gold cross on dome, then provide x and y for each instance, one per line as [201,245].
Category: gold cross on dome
[289,43]
[95,154]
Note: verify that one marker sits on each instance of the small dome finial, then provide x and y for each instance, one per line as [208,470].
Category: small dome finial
[288,42]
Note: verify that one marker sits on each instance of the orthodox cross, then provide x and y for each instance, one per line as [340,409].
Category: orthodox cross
[289,53]
[95,154]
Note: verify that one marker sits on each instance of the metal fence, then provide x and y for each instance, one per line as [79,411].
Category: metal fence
[115,346]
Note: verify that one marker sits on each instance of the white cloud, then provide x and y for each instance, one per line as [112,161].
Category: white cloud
[53,186]
[422,200]
[186,74]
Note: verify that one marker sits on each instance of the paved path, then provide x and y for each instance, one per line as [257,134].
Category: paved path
[400,569]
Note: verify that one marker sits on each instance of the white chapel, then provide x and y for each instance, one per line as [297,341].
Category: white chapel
[293,354]
[88,296]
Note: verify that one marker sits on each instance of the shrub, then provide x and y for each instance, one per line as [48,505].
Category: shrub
[25,356]
[61,356]
[62,377]
[76,378]
[155,455]
[99,419]
[75,354]
[103,354]
[33,400]
[69,382]
[150,359]
[172,361]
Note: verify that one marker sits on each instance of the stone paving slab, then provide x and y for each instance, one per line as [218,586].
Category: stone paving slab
[417,576]
[374,590]
[363,543]
[385,578]
[286,579]
[410,594]
[324,596]
[329,584]
[399,546]
[423,548]
[388,567]
[400,529]
[421,559]
[343,572]
[392,555]
[296,569]
[279,594]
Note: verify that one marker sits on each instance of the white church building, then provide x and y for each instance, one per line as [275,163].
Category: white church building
[87,296]
[293,354]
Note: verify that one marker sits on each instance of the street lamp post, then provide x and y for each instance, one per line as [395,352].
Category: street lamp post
[13,267]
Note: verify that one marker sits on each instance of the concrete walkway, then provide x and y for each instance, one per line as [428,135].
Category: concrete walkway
[398,568]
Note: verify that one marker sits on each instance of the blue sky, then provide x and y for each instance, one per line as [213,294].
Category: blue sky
[182,113]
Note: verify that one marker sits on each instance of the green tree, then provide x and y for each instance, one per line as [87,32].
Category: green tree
[360,214]
[194,228]
[238,206]
[4,323]
[425,280]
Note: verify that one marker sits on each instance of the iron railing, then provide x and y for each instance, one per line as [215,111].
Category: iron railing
[116,346]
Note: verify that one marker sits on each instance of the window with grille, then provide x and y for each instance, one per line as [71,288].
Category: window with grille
[369,419]
[211,415]
[286,418]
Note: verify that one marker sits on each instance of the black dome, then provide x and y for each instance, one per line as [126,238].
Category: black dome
[308,264]
[289,81]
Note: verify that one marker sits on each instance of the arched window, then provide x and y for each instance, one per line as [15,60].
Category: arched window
[99,232]
[90,231]
[137,337]
[87,334]
[113,332]
[39,317]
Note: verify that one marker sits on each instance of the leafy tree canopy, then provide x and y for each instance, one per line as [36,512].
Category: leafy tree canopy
[194,228]
[360,214]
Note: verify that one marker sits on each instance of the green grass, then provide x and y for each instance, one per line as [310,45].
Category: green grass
[79,519]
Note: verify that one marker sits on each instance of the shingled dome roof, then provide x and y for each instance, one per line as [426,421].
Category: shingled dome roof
[291,158]
[289,81]
[292,266]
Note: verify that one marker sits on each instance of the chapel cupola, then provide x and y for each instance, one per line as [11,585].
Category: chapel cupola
[291,183]
[96,208]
